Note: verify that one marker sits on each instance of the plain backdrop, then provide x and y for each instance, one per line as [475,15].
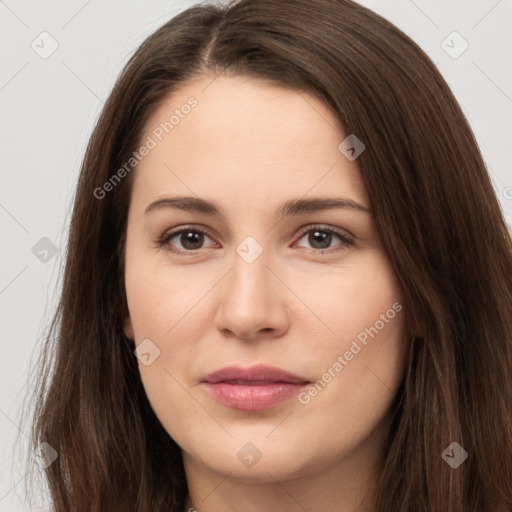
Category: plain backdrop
[50,102]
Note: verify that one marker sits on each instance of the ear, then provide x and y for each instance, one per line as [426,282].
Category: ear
[128,328]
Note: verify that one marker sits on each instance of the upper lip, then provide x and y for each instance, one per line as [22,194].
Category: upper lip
[258,374]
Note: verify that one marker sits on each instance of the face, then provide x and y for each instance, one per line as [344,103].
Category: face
[271,339]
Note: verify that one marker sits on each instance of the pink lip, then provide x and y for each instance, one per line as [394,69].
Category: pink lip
[252,389]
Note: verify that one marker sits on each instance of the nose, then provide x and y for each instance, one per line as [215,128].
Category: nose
[253,301]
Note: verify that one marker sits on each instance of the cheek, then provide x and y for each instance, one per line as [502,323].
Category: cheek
[161,304]
[159,296]
[351,299]
[360,357]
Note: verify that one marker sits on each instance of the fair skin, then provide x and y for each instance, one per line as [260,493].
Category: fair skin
[249,147]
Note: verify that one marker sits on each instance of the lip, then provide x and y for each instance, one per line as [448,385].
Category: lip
[252,389]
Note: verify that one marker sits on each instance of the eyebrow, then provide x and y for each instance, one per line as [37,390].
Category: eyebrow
[292,207]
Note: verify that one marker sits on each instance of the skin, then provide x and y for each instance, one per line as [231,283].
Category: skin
[249,147]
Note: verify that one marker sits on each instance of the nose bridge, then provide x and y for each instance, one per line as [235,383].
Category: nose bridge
[249,280]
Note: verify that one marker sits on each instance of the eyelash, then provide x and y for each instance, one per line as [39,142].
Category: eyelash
[163,241]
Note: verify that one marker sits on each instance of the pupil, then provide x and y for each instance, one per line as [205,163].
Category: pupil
[325,239]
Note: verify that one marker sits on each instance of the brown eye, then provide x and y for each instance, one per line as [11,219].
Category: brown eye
[187,240]
[320,238]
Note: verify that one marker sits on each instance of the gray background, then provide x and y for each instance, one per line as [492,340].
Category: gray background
[49,106]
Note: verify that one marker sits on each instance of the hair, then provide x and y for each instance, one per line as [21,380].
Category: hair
[437,215]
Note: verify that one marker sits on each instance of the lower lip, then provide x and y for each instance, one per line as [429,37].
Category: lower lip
[250,397]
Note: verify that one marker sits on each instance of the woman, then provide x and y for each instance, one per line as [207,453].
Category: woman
[288,283]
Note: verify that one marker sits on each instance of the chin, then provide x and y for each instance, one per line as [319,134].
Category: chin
[254,459]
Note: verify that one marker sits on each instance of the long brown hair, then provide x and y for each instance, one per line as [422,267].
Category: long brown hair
[437,214]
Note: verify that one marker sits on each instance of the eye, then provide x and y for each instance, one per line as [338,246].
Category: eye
[320,238]
[190,239]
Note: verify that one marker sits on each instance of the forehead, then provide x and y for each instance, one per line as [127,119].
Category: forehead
[246,137]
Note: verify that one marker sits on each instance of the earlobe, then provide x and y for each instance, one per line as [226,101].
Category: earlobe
[128,328]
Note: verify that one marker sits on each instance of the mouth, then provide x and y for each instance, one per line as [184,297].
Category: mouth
[253,389]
